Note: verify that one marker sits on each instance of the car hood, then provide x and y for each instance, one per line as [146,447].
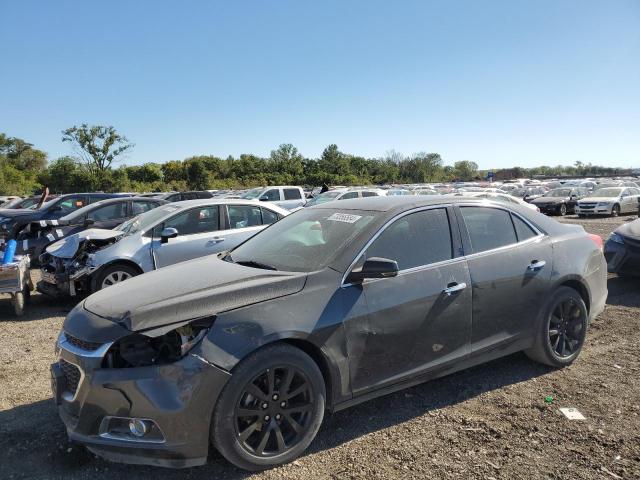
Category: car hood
[67,247]
[19,213]
[550,200]
[598,199]
[194,289]
[631,229]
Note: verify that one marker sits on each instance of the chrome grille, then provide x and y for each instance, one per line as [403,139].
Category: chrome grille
[84,345]
[71,374]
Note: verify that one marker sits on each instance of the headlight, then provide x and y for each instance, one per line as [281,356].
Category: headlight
[144,350]
[603,204]
[614,237]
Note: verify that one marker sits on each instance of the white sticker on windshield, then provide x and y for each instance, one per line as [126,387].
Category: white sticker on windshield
[344,217]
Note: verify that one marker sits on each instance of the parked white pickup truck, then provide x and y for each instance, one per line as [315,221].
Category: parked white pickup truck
[285,196]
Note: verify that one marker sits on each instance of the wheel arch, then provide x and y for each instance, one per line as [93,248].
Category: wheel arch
[578,285]
[119,261]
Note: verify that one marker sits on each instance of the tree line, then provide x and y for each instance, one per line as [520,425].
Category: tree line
[26,170]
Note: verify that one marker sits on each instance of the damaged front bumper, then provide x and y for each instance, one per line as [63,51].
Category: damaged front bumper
[62,284]
[172,404]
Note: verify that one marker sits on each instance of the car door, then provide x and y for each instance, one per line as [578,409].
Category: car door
[109,216]
[628,200]
[199,234]
[420,319]
[243,222]
[510,264]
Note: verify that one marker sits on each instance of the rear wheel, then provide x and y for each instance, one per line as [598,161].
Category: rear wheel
[114,274]
[270,410]
[18,303]
[561,330]
[615,210]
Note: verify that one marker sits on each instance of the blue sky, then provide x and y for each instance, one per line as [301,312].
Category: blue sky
[501,83]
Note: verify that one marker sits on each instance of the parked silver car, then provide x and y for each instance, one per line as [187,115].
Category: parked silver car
[286,196]
[609,201]
[94,259]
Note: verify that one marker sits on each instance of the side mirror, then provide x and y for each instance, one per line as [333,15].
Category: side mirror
[88,221]
[375,267]
[264,198]
[168,233]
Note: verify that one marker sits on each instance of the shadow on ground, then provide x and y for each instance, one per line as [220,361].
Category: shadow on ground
[33,442]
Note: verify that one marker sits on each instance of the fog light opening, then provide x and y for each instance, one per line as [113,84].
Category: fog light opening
[137,427]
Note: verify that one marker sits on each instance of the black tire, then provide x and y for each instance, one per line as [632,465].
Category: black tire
[562,211]
[581,215]
[615,210]
[269,366]
[548,347]
[119,270]
[18,303]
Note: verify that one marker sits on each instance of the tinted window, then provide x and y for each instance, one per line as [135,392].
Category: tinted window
[488,228]
[369,194]
[523,231]
[197,220]
[174,198]
[269,217]
[141,207]
[272,195]
[349,195]
[414,240]
[292,194]
[109,212]
[242,216]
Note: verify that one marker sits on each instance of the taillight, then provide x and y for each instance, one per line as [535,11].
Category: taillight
[597,239]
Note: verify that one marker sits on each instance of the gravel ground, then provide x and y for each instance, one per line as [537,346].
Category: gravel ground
[491,421]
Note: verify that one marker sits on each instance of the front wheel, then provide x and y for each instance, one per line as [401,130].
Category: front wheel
[563,210]
[114,274]
[615,210]
[562,329]
[270,410]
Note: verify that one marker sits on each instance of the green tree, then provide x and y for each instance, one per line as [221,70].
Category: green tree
[99,146]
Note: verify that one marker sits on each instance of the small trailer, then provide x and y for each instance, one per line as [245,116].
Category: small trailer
[15,279]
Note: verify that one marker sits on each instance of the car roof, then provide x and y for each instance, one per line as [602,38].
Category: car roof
[224,201]
[400,202]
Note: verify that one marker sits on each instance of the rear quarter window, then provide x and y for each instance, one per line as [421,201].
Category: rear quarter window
[292,194]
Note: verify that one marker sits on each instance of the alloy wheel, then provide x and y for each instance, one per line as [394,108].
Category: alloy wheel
[115,277]
[566,328]
[274,411]
[563,209]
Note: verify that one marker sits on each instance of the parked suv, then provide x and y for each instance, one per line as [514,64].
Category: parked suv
[12,220]
[287,196]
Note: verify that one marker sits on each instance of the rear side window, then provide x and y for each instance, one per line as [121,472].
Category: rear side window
[488,228]
[369,194]
[109,212]
[269,217]
[242,216]
[414,240]
[523,231]
[292,194]
[141,207]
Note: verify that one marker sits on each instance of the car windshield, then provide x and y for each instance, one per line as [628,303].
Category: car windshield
[606,192]
[252,194]
[305,241]
[146,220]
[323,198]
[558,192]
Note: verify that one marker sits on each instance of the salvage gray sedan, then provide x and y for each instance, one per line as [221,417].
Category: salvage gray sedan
[328,307]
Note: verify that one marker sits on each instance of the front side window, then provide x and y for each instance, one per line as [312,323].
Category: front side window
[196,220]
[272,195]
[292,194]
[349,195]
[417,239]
[488,228]
[71,204]
[243,216]
[109,212]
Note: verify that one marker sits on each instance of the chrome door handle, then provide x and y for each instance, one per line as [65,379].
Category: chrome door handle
[454,287]
[536,265]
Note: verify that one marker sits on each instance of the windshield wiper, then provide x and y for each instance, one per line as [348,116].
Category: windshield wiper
[253,263]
